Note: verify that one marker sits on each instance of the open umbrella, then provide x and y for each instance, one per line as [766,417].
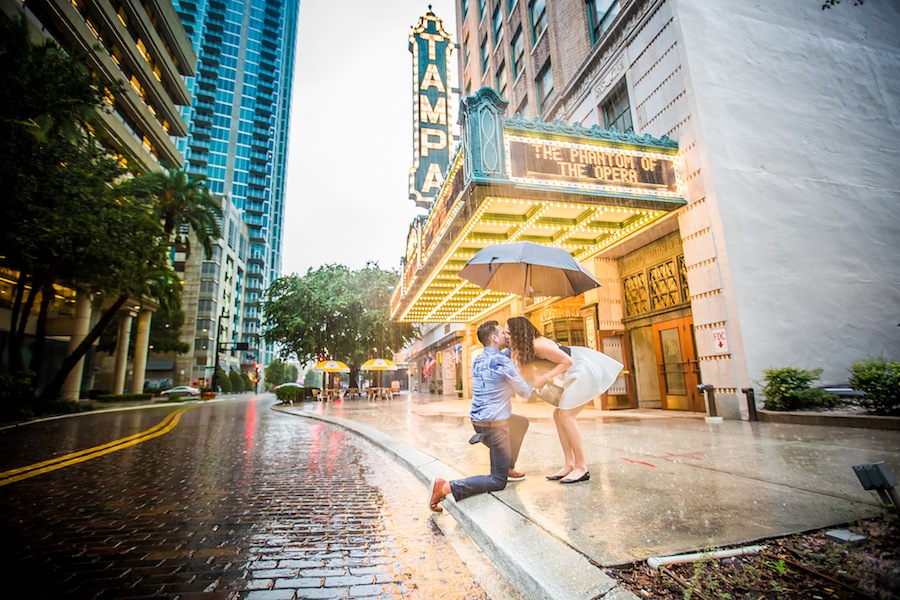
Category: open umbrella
[378,364]
[331,366]
[528,269]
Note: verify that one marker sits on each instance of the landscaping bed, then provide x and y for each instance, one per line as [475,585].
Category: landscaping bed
[808,566]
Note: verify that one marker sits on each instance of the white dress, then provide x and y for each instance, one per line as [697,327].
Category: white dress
[591,374]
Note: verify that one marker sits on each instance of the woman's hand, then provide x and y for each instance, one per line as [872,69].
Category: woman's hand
[549,350]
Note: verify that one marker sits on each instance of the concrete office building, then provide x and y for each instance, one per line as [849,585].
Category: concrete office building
[143,45]
[238,133]
[774,244]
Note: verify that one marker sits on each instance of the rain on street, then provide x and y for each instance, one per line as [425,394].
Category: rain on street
[222,500]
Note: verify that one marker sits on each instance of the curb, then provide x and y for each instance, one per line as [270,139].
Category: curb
[830,419]
[538,564]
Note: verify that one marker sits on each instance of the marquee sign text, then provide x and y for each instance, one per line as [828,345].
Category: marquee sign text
[586,165]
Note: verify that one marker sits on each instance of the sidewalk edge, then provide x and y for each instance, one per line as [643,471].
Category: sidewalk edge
[538,564]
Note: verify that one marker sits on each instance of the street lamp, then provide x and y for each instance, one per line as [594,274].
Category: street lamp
[215,375]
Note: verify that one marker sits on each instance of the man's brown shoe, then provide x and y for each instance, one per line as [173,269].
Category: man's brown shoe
[437,485]
[515,475]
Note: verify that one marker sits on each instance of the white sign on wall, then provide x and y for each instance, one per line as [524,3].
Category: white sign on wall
[720,341]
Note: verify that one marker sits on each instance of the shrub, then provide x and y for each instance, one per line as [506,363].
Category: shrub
[16,396]
[207,395]
[789,388]
[290,394]
[124,397]
[237,382]
[879,379]
[223,381]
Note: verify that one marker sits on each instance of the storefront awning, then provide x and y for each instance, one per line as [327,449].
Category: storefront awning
[584,190]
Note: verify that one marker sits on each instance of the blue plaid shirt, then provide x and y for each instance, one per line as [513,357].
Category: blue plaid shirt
[494,380]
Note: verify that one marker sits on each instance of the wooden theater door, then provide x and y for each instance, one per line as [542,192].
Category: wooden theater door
[679,371]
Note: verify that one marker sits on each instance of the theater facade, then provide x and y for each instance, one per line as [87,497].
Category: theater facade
[750,222]
[593,192]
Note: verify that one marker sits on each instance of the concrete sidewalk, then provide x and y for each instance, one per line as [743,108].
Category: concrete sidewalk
[661,483]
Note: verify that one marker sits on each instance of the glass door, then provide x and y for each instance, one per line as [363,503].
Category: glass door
[679,372]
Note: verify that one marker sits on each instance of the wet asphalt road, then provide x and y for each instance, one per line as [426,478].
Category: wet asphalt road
[218,500]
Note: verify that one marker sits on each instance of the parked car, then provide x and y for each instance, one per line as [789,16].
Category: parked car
[287,385]
[184,390]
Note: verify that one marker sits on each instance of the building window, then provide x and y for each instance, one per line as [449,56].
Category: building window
[518,54]
[480,9]
[512,5]
[617,111]
[523,107]
[465,7]
[569,332]
[538,11]
[497,20]
[466,50]
[600,14]
[484,55]
[501,80]
[545,86]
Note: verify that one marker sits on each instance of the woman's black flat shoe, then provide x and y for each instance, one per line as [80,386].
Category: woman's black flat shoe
[584,477]
[555,477]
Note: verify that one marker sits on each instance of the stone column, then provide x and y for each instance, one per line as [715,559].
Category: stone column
[125,320]
[81,324]
[141,348]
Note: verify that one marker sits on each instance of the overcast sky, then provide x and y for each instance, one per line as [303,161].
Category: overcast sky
[351,133]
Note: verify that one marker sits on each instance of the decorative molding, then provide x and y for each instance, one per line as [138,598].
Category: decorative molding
[611,76]
[577,129]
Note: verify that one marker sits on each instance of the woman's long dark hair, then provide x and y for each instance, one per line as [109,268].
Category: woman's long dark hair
[521,340]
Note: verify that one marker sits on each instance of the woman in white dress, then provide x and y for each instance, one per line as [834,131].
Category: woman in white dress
[583,374]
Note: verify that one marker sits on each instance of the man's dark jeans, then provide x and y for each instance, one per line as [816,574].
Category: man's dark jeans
[504,442]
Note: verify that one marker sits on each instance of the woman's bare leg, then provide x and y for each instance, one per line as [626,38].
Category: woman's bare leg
[569,429]
[568,457]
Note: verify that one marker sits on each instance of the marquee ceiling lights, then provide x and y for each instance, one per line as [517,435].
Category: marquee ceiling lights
[581,228]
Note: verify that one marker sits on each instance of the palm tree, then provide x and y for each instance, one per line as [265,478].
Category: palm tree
[180,199]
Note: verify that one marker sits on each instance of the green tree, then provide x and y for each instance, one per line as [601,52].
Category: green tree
[312,379]
[180,199]
[164,331]
[75,223]
[223,381]
[237,381]
[291,373]
[332,310]
[275,372]
[830,3]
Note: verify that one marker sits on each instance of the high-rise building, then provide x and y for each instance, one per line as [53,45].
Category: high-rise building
[238,132]
[143,46]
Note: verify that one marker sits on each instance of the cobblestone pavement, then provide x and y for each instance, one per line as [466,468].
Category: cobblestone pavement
[234,502]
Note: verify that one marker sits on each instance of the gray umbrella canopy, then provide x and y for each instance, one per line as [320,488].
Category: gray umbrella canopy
[528,269]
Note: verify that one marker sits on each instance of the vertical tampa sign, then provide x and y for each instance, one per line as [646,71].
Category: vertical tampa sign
[430,46]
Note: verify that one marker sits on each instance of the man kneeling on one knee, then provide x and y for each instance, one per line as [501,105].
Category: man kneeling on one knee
[495,379]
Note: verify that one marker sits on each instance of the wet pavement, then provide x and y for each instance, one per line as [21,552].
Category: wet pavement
[231,500]
[661,483]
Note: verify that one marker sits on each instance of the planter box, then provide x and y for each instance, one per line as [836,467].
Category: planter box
[829,419]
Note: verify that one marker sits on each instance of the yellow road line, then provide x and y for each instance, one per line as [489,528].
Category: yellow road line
[167,425]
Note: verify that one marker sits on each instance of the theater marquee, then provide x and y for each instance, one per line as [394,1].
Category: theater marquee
[590,166]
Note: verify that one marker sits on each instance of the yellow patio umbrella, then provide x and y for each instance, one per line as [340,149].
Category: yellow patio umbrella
[331,366]
[378,364]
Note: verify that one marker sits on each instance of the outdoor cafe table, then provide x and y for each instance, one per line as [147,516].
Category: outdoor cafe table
[374,393]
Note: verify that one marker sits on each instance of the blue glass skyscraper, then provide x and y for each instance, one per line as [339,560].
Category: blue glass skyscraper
[238,122]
